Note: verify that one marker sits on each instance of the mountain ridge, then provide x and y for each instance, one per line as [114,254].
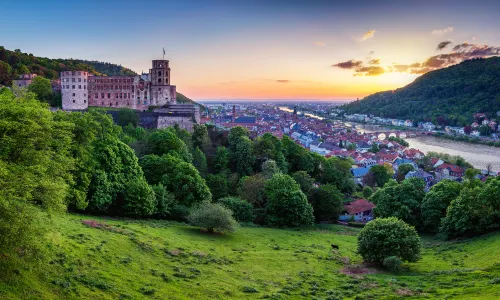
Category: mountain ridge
[453,94]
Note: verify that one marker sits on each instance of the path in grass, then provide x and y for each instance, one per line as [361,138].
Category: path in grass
[161,260]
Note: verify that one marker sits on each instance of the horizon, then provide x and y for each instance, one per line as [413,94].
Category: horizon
[257,51]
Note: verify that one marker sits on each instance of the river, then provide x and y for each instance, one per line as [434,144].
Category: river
[476,154]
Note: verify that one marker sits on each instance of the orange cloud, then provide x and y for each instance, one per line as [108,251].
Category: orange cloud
[368,35]
[442,31]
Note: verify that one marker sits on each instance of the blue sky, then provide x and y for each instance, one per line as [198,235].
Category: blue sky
[252,49]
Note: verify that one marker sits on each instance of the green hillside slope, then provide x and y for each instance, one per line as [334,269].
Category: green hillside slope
[455,93]
[127,259]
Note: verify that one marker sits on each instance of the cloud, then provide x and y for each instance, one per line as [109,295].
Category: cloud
[320,44]
[443,45]
[442,31]
[371,52]
[370,71]
[460,53]
[350,64]
[283,81]
[367,35]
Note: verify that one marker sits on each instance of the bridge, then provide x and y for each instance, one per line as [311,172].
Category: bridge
[382,135]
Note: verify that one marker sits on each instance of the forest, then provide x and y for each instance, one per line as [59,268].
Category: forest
[448,96]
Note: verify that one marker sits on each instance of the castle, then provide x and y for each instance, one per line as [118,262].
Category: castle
[151,91]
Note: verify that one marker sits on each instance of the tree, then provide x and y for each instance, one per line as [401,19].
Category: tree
[298,158]
[327,203]
[252,189]
[304,180]
[218,185]
[404,169]
[235,134]
[35,168]
[127,116]
[436,201]
[336,171]
[367,192]
[213,217]
[139,199]
[476,210]
[269,168]
[5,73]
[402,201]
[242,210]
[269,147]
[287,205]
[165,141]
[164,201]
[221,159]
[243,157]
[184,182]
[200,161]
[200,138]
[381,175]
[42,88]
[484,130]
[382,238]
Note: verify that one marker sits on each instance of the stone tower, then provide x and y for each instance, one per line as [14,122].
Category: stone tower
[74,90]
[161,91]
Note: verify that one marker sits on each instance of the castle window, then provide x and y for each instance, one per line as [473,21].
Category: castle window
[102,103]
[102,96]
[110,104]
[73,79]
[84,87]
[109,95]
[96,95]
[84,101]
[159,80]
[159,73]
[79,80]
[80,87]
[73,100]
[73,94]
[116,102]
[73,86]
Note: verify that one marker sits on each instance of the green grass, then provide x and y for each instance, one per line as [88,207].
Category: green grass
[162,260]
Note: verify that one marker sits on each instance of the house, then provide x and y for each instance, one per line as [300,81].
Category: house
[399,161]
[428,178]
[449,171]
[413,153]
[359,211]
[359,173]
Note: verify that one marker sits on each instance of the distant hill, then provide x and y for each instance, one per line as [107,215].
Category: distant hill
[13,63]
[454,93]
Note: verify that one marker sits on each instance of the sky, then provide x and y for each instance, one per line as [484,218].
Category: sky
[328,50]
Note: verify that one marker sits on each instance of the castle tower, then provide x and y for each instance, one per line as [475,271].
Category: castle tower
[74,90]
[234,113]
[161,91]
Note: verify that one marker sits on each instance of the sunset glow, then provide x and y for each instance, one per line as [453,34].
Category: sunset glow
[256,50]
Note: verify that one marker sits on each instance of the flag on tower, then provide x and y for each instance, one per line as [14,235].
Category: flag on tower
[164,53]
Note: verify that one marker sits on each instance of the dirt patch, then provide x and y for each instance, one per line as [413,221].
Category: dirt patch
[358,269]
[405,292]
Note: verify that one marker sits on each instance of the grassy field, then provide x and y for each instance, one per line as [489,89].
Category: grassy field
[126,259]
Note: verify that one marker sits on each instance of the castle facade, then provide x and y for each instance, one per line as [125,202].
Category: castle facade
[81,89]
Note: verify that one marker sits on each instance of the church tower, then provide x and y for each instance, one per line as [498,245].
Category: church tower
[162,92]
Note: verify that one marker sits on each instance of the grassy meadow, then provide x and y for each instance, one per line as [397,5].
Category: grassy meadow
[102,258]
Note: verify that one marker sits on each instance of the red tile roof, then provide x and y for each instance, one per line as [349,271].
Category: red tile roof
[358,206]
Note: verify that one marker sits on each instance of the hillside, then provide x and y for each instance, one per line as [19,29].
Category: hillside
[96,258]
[455,93]
[13,63]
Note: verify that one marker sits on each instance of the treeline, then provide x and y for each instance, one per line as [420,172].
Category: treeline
[15,63]
[450,208]
[448,96]
[53,162]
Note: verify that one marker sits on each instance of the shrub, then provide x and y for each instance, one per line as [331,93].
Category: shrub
[164,201]
[382,238]
[242,210]
[179,212]
[213,216]
[392,263]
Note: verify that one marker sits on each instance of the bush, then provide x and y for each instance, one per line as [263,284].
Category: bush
[213,217]
[179,212]
[382,238]
[242,210]
[164,201]
[392,263]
